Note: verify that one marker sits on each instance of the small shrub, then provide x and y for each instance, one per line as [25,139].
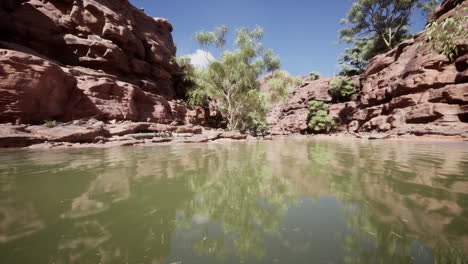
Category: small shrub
[315,106]
[341,89]
[50,123]
[447,36]
[319,121]
[314,76]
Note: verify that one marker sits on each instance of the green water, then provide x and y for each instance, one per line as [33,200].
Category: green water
[284,201]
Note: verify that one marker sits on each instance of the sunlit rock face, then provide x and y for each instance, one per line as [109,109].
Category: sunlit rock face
[74,59]
[411,89]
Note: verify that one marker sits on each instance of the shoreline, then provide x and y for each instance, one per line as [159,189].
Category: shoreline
[402,138]
[97,134]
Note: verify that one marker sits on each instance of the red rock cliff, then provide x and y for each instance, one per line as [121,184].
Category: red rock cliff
[408,90]
[71,59]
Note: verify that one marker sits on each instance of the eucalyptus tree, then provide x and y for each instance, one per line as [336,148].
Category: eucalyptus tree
[231,83]
[375,26]
[383,18]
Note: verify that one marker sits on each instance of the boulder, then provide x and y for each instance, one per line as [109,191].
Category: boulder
[12,136]
[126,128]
[69,133]
[423,113]
[176,129]
[233,135]
[105,97]
[405,101]
[196,139]
[454,94]
[397,119]
[32,89]
[463,113]
[434,129]
[446,109]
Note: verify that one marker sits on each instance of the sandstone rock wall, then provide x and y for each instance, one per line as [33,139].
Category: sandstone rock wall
[408,90]
[70,59]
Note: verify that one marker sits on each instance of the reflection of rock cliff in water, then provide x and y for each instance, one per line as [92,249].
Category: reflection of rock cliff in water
[126,203]
[399,183]
[17,220]
[116,206]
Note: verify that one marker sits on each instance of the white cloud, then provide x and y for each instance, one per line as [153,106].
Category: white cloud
[201,58]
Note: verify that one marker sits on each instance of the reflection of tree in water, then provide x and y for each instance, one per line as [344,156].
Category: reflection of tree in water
[379,192]
[246,200]
[113,207]
[375,242]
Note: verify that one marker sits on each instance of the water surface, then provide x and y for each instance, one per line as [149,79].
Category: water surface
[283,201]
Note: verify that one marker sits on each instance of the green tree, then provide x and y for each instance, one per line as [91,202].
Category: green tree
[231,84]
[355,59]
[373,27]
[386,19]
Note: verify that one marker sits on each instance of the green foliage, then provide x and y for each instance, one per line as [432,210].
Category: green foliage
[319,121]
[356,58]
[50,123]
[428,5]
[197,96]
[182,61]
[447,36]
[353,60]
[257,121]
[185,77]
[383,19]
[341,89]
[314,76]
[373,27]
[280,84]
[315,106]
[231,84]
[217,37]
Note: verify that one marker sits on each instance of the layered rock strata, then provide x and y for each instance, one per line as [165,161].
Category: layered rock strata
[411,89]
[70,59]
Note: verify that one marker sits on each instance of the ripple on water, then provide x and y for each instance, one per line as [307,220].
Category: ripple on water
[280,201]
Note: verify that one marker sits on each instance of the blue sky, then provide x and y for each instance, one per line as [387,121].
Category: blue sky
[301,32]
